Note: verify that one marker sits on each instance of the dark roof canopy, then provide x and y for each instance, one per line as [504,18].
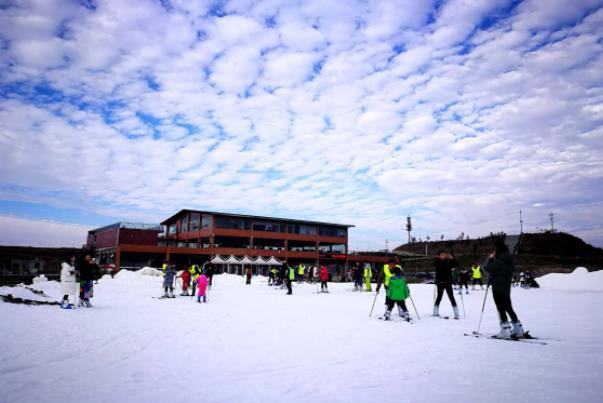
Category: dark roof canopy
[183,211]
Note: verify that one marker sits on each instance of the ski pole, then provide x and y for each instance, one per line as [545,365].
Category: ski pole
[463,303]
[413,305]
[482,314]
[373,307]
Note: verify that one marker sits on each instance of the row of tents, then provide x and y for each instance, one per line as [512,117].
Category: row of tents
[260,261]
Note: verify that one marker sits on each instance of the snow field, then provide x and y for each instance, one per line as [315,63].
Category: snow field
[256,344]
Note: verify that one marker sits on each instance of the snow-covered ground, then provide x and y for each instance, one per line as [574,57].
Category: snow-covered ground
[256,344]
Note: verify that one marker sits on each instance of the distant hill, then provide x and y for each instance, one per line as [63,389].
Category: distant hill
[539,252]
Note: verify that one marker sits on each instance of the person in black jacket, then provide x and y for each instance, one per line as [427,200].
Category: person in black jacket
[443,267]
[85,272]
[500,269]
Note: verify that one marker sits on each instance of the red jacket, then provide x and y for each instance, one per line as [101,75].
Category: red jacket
[186,276]
[324,274]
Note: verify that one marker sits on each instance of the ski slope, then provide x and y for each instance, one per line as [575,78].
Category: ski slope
[256,344]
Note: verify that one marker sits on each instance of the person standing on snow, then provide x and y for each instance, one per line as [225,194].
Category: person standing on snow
[476,272]
[301,270]
[68,281]
[443,266]
[194,272]
[290,276]
[209,269]
[202,283]
[324,278]
[368,275]
[359,275]
[397,292]
[500,269]
[463,280]
[86,276]
[185,276]
[169,274]
[248,275]
[384,277]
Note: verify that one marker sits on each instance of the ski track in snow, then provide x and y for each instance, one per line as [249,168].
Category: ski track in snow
[256,344]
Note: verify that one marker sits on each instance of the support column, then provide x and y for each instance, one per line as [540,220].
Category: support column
[117,260]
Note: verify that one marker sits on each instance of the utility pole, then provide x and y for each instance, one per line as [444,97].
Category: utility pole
[520,223]
[552,217]
[408,227]
[386,245]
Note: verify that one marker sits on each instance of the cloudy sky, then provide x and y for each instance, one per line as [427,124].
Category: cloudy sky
[459,113]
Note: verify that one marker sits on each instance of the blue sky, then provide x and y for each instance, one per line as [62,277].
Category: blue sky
[458,113]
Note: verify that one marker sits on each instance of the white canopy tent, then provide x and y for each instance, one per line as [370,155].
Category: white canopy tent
[274,261]
[231,260]
[218,260]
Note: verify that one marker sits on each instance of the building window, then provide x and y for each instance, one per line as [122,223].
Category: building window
[205,221]
[184,224]
[194,223]
[173,228]
[231,223]
[302,229]
[268,227]
[332,231]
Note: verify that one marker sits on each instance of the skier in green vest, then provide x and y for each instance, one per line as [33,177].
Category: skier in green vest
[290,275]
[397,293]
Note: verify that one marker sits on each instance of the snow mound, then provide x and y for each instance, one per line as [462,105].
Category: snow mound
[149,271]
[40,279]
[578,280]
[125,275]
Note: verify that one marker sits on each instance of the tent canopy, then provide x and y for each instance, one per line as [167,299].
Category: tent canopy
[217,260]
[246,260]
[274,261]
[232,260]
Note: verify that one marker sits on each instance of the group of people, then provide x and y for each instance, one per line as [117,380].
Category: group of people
[199,280]
[78,274]
[286,274]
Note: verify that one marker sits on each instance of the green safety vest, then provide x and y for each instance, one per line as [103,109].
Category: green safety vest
[388,274]
[300,269]
[291,273]
[194,270]
[476,272]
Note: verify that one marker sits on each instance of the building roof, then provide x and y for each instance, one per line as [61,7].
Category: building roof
[164,222]
[129,225]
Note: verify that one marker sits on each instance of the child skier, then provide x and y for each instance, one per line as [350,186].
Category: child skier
[186,278]
[397,293]
[324,278]
[68,281]
[168,280]
[464,281]
[202,286]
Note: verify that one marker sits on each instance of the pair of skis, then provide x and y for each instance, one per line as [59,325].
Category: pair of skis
[527,338]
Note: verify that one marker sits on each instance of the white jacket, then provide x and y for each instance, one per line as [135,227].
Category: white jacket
[68,283]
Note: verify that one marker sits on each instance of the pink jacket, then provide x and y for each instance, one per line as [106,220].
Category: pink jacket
[202,285]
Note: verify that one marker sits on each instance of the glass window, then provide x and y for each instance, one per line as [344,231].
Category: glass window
[307,229]
[332,231]
[231,223]
[268,227]
[184,224]
[172,228]
[194,224]
[205,221]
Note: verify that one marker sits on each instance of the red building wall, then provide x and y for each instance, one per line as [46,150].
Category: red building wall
[137,237]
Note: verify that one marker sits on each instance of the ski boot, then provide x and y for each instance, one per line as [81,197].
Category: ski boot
[387,315]
[517,331]
[505,331]
[87,303]
[456,312]
[436,310]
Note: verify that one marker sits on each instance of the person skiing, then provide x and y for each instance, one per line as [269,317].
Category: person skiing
[272,275]
[324,278]
[168,280]
[443,266]
[385,275]
[463,281]
[315,271]
[202,283]
[397,292]
[500,270]
[368,275]
[477,276]
[68,281]
[185,276]
[290,276]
